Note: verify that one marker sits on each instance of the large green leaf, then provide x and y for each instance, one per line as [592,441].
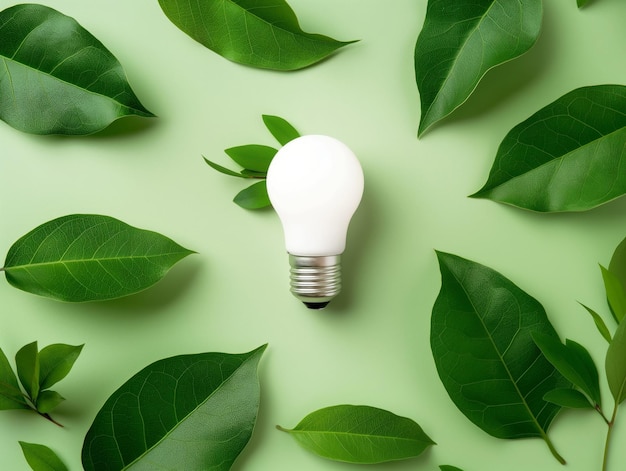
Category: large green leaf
[615,364]
[569,156]
[460,41]
[56,78]
[360,434]
[191,412]
[41,458]
[259,33]
[484,353]
[85,257]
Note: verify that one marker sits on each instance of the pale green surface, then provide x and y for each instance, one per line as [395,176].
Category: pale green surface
[371,345]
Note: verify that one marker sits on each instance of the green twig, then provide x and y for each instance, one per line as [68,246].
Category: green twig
[555,453]
[47,417]
[609,434]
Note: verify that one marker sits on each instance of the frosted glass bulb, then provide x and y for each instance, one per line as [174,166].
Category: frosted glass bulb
[315,184]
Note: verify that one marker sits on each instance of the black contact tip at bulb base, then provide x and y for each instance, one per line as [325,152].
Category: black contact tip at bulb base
[315,280]
[316,306]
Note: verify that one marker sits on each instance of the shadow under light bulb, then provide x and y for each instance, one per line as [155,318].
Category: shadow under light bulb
[315,184]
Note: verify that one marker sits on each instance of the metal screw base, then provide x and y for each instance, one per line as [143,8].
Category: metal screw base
[315,280]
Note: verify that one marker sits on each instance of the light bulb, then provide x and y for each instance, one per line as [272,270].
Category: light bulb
[315,184]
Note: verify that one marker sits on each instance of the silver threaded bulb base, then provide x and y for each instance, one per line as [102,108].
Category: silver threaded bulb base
[315,280]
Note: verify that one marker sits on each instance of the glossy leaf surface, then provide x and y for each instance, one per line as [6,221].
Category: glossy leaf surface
[282,131]
[570,398]
[253,197]
[56,78]
[481,342]
[573,361]
[262,33]
[11,396]
[86,257]
[568,156]
[55,362]
[616,364]
[191,412]
[360,434]
[41,458]
[252,157]
[460,41]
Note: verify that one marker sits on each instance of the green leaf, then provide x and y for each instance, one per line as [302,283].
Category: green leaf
[252,174]
[224,170]
[253,197]
[445,467]
[280,129]
[252,157]
[56,78]
[614,294]
[48,400]
[27,362]
[581,3]
[600,324]
[616,364]
[481,341]
[11,396]
[360,434]
[262,33]
[55,362]
[41,458]
[573,361]
[191,412]
[84,257]
[570,398]
[566,157]
[460,41]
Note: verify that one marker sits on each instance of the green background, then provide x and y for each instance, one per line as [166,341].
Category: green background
[371,345]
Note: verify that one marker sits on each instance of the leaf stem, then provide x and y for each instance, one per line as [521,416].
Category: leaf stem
[604,417]
[47,417]
[609,434]
[555,453]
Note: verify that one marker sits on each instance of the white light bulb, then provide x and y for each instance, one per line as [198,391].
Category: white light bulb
[315,184]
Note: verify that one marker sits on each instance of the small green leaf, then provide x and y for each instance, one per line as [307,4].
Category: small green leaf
[280,129]
[41,458]
[189,412]
[570,398]
[11,396]
[360,434]
[614,294]
[616,364]
[27,362]
[461,41]
[481,341]
[224,170]
[56,78]
[264,33]
[55,362]
[573,361]
[617,265]
[253,197]
[568,156]
[252,157]
[48,400]
[445,467]
[84,257]
[600,324]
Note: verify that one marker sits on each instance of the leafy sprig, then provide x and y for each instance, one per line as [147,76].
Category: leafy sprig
[255,160]
[37,371]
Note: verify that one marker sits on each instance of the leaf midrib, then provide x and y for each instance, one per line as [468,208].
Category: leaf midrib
[178,424]
[84,260]
[387,437]
[506,368]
